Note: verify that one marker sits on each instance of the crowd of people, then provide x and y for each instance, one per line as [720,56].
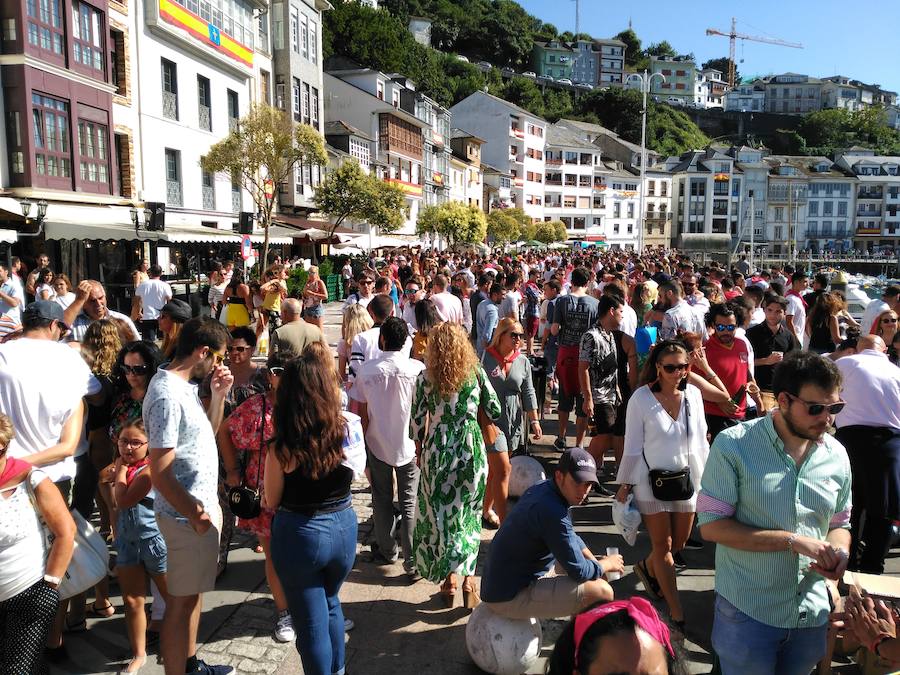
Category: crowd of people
[735,402]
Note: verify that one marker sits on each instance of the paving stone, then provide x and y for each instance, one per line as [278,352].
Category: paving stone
[248,666]
[247,650]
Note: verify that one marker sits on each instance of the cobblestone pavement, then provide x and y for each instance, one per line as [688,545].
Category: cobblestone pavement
[401,627]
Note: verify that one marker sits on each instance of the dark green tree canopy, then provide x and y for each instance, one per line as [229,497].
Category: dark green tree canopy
[722,64]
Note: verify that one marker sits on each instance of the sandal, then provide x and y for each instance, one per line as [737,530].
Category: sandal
[490,520]
[101,613]
[79,627]
[448,592]
[651,585]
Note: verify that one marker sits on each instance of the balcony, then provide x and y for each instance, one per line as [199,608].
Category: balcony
[553,161]
[209,198]
[205,121]
[866,230]
[517,132]
[870,194]
[868,213]
[170,105]
[173,193]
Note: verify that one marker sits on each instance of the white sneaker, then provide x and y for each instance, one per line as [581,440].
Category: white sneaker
[348,625]
[284,628]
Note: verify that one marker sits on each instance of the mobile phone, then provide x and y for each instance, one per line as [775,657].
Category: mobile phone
[739,395]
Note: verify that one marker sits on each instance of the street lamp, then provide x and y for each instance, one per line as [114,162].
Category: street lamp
[25,204]
[646,80]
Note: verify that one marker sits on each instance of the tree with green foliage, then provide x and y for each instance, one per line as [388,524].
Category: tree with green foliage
[561,233]
[546,32]
[548,232]
[524,93]
[661,49]
[721,64]
[457,222]
[632,42]
[351,193]
[260,153]
[503,227]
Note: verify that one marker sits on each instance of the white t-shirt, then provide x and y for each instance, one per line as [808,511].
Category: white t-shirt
[797,311]
[365,348]
[41,383]
[21,539]
[153,293]
[175,418]
[510,305]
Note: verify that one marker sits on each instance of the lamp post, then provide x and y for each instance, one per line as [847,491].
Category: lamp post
[646,79]
[25,204]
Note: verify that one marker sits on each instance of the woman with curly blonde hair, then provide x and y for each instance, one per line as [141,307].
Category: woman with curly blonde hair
[451,456]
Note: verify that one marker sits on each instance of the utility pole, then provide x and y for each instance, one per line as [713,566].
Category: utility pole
[577,18]
[645,79]
[752,227]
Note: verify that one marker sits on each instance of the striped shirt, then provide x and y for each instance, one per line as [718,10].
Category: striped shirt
[750,477]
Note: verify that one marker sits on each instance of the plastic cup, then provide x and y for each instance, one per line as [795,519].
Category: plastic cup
[612,576]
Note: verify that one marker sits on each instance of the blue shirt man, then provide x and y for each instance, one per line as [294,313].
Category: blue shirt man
[487,317]
[539,532]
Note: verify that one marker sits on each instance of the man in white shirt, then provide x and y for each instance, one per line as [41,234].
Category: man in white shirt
[694,296]
[365,345]
[184,461]
[149,298]
[890,299]
[448,306]
[869,427]
[679,317]
[795,315]
[89,306]
[384,389]
[509,308]
[11,301]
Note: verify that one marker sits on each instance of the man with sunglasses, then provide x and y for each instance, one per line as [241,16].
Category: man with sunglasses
[869,427]
[729,358]
[775,497]
[184,462]
[365,282]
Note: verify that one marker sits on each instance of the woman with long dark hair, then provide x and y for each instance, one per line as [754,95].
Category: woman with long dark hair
[427,317]
[312,460]
[822,324]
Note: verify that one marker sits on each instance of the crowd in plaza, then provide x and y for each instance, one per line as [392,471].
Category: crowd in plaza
[735,405]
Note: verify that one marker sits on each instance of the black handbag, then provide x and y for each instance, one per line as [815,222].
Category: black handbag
[673,486]
[245,502]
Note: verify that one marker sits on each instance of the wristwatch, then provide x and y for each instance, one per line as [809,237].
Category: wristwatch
[52,580]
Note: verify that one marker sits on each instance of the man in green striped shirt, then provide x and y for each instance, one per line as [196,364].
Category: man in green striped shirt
[775,497]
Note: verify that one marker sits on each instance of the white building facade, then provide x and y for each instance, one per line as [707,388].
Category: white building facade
[570,194]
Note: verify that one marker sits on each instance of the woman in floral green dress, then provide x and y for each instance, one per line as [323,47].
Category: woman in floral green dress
[450,453]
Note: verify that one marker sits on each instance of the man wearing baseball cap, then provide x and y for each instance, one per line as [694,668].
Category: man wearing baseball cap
[539,532]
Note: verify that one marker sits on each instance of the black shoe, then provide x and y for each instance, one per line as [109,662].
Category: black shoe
[559,443]
[379,558]
[680,563]
[207,669]
[604,491]
[693,544]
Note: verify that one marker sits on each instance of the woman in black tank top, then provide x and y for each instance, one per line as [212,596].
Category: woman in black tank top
[310,465]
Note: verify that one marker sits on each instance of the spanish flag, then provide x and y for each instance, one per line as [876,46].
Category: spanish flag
[177,15]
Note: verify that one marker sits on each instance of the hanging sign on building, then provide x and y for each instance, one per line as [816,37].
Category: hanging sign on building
[173,13]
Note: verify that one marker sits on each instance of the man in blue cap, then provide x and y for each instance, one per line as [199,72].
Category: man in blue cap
[539,532]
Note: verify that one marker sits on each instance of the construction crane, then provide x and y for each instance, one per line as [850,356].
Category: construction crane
[734,35]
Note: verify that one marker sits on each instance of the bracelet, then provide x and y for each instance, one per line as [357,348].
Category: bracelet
[790,542]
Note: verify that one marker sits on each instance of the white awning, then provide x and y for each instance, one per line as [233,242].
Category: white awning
[65,221]
[8,236]
[185,235]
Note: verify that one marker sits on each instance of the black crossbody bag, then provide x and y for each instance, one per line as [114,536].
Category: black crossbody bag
[244,502]
[673,486]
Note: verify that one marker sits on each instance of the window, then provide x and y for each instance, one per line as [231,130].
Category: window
[360,150]
[50,117]
[118,74]
[87,46]
[233,18]
[295,30]
[631,209]
[814,208]
[313,42]
[233,110]
[395,98]
[304,38]
[204,102]
[173,177]
[265,85]
[617,211]
[170,89]
[314,108]
[779,213]
[651,188]
[93,148]
[829,209]
[698,188]
[379,90]
[262,31]
[123,164]
[45,29]
[304,102]
[295,93]
[842,208]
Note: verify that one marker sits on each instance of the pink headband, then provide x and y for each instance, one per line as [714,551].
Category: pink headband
[638,608]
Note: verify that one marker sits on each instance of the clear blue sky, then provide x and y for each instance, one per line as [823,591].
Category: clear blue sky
[857,40]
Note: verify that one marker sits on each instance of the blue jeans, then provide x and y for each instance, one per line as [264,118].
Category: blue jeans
[747,647]
[312,556]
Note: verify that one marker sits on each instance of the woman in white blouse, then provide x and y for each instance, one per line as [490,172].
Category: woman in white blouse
[29,588]
[665,428]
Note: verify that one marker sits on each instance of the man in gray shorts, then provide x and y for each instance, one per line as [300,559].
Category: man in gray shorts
[184,462]
[539,532]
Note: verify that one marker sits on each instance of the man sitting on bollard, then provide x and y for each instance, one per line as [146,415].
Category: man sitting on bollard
[539,532]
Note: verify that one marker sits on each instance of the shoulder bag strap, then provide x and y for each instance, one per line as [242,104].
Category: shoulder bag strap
[687,427]
[262,442]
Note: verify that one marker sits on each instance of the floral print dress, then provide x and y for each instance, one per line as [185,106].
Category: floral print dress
[454,471]
[244,429]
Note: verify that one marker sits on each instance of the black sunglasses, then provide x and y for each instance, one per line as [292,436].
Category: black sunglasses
[674,367]
[816,409]
[517,336]
[238,349]
[726,326]
[135,370]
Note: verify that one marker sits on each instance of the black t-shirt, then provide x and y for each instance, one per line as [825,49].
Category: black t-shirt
[302,492]
[404,273]
[764,342]
[575,316]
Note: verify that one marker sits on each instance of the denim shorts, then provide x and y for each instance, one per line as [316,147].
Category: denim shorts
[501,445]
[151,553]
[314,312]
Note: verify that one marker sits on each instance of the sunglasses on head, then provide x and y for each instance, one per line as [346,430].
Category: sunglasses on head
[277,371]
[673,367]
[238,349]
[135,370]
[816,409]
[726,326]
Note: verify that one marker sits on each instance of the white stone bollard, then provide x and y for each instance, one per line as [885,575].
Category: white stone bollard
[526,471]
[502,646]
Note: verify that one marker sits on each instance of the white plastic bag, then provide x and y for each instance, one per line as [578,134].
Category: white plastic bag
[626,518]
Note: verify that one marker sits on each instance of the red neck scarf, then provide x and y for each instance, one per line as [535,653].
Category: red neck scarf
[134,469]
